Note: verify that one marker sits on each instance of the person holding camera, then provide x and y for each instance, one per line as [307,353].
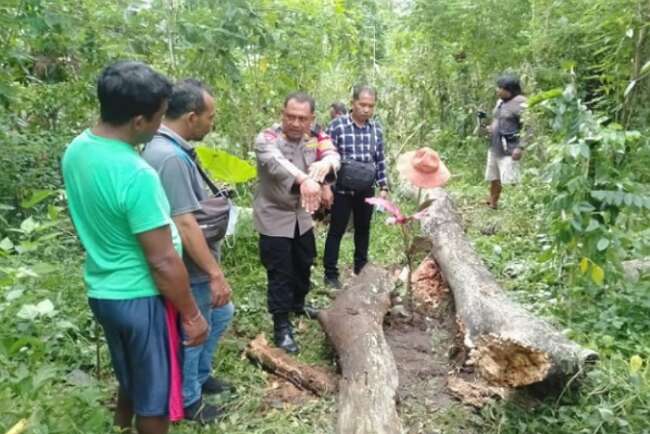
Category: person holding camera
[360,141]
[506,147]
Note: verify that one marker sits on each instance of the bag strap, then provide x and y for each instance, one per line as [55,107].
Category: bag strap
[192,155]
[215,190]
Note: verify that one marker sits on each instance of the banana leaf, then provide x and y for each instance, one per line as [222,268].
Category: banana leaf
[225,167]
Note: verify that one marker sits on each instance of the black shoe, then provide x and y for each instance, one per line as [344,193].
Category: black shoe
[203,413]
[332,282]
[286,342]
[358,269]
[213,386]
[283,333]
[309,311]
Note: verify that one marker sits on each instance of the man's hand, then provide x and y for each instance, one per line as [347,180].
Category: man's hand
[310,195]
[327,197]
[220,291]
[195,329]
[319,170]
[516,154]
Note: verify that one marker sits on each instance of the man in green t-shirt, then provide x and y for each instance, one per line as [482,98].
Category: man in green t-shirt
[121,215]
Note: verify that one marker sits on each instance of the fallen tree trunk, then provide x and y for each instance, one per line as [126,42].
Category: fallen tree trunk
[508,345]
[354,326]
[315,379]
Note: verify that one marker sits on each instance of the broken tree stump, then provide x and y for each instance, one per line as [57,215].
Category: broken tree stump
[354,326]
[313,378]
[509,345]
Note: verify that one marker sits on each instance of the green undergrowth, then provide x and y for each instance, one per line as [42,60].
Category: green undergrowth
[613,319]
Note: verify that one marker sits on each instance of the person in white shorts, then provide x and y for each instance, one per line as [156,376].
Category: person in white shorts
[506,147]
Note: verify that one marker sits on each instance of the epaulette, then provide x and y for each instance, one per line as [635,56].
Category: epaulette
[311,142]
[324,141]
[270,134]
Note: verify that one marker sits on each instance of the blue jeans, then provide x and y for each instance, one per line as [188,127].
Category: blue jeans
[197,361]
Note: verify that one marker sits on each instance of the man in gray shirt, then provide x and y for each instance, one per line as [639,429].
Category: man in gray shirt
[189,117]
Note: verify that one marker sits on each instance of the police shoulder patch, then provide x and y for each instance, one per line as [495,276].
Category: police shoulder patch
[270,134]
[311,143]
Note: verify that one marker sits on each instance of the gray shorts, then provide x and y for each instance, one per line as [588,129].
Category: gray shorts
[503,169]
[136,334]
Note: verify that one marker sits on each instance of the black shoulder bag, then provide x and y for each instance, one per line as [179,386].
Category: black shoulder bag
[356,175]
[214,214]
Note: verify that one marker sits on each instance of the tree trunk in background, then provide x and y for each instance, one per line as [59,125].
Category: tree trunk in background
[354,326]
[508,345]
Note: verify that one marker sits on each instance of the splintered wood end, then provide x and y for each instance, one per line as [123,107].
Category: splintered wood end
[504,362]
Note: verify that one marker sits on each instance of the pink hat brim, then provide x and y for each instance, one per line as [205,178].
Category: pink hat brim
[420,179]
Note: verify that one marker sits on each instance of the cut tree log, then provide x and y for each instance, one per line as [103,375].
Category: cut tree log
[354,326]
[509,346]
[316,379]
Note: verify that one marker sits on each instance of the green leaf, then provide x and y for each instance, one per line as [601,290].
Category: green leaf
[32,311]
[593,225]
[597,274]
[52,212]
[603,243]
[645,67]
[28,225]
[544,96]
[42,268]
[14,294]
[584,265]
[599,195]
[225,167]
[629,88]
[635,364]
[44,375]
[606,414]
[6,244]
[26,341]
[37,197]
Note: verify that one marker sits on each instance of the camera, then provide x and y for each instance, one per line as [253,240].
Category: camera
[481,114]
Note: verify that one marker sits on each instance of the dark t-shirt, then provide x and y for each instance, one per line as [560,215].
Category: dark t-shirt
[507,124]
[182,183]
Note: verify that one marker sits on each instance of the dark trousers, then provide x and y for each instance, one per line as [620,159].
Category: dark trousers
[362,213]
[288,264]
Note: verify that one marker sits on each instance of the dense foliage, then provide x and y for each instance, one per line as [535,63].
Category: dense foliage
[581,211]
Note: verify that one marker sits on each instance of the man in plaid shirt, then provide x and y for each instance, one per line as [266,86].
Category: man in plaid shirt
[356,137]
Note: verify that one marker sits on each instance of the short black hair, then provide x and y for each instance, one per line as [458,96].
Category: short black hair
[301,97]
[129,89]
[187,96]
[339,108]
[363,88]
[510,82]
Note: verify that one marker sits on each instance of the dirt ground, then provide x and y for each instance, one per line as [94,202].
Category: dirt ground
[426,351]
[425,348]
